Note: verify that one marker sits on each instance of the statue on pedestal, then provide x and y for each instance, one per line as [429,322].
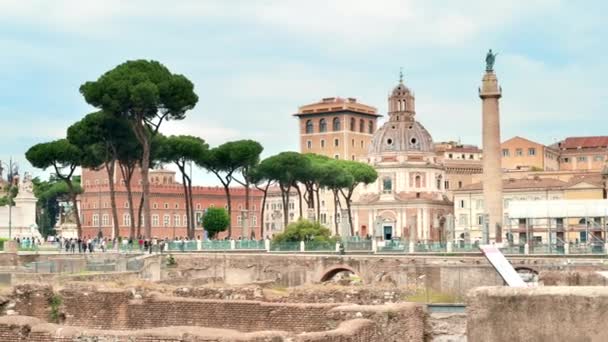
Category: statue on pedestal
[490,59]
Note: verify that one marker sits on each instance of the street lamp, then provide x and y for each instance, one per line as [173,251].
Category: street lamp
[10,196]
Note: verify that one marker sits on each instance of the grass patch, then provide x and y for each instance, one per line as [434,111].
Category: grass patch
[55,302]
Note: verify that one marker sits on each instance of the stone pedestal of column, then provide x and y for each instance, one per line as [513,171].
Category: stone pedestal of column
[11,246]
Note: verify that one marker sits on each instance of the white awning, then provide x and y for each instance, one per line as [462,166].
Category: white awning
[558,208]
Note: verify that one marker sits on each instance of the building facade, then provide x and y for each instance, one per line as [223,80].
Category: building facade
[167,203]
[469,208]
[337,128]
[462,164]
[408,200]
[522,154]
[583,153]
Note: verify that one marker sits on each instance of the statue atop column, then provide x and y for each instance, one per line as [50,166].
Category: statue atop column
[490,59]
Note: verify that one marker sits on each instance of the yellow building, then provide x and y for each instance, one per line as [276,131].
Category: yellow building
[337,128]
[522,154]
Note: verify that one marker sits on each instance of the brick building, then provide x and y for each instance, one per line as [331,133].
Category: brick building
[167,203]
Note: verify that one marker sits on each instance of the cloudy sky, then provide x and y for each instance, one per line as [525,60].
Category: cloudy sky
[254,62]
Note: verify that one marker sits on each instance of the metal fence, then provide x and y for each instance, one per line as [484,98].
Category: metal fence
[287,246]
[319,246]
[250,244]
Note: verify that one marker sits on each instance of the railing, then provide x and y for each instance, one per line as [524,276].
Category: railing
[362,245]
[319,246]
[394,246]
[464,247]
[216,245]
[249,244]
[287,246]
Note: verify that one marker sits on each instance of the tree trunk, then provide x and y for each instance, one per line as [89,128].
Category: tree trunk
[318,205]
[263,210]
[299,198]
[127,174]
[191,201]
[139,215]
[336,203]
[110,169]
[229,203]
[144,140]
[74,199]
[347,198]
[247,216]
[285,198]
[186,200]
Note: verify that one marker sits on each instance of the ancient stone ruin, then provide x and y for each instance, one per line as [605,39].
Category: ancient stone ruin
[86,313]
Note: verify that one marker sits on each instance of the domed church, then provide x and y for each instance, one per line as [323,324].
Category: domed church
[408,200]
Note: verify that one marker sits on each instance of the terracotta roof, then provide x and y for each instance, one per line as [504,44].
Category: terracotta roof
[584,142]
[526,183]
[595,179]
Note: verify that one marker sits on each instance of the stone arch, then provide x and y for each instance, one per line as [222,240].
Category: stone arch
[331,272]
[526,269]
[388,215]
[528,274]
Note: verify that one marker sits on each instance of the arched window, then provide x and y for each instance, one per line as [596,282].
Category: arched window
[370,128]
[322,125]
[336,124]
[353,124]
[361,126]
[309,127]
[418,181]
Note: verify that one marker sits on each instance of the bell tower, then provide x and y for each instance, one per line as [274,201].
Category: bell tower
[401,103]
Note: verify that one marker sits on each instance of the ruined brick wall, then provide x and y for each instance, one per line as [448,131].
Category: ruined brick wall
[96,309]
[310,294]
[394,322]
[571,278]
[357,330]
[32,300]
[239,315]
[550,313]
[130,313]
[21,329]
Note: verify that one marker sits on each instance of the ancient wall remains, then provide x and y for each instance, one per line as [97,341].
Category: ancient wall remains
[571,278]
[552,313]
[127,313]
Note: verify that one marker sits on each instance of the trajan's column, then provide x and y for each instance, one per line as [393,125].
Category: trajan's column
[489,93]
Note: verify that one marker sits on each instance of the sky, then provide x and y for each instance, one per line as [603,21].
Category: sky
[254,62]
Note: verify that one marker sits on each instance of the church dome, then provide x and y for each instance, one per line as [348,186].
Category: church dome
[403,137]
[402,133]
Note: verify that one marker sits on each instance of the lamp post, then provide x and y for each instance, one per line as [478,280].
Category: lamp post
[99,208]
[10,196]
